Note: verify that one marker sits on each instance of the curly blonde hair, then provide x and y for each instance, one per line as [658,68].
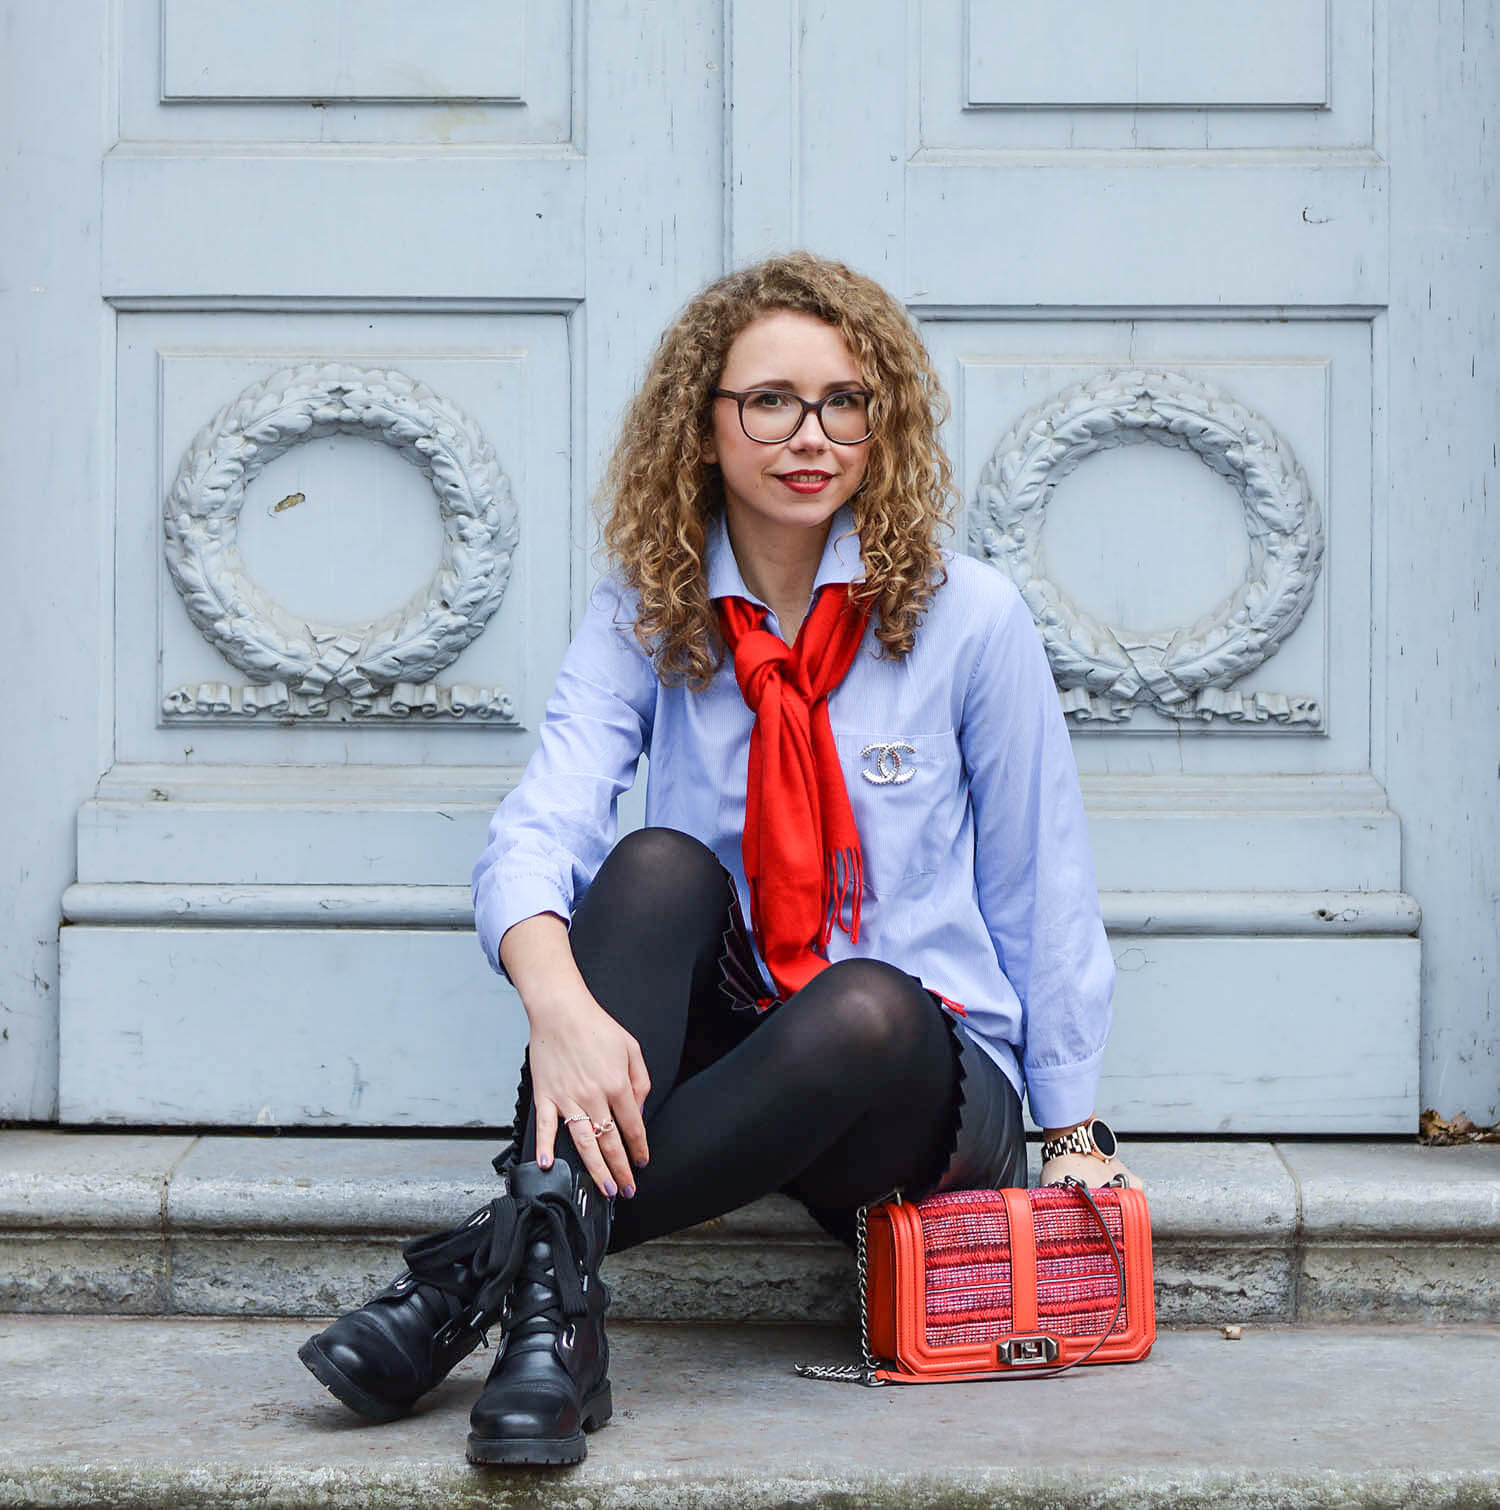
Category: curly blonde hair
[660,491]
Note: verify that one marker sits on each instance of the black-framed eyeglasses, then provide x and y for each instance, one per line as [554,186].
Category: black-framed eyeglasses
[772,415]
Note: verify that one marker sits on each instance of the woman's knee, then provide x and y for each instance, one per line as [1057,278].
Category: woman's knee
[879,1009]
[648,854]
[658,876]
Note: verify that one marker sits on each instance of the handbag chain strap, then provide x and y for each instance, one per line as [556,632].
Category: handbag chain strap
[867,1370]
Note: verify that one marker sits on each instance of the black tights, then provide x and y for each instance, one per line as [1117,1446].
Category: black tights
[840,1094]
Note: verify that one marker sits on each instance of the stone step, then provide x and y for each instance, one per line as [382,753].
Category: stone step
[151,1413]
[244,1226]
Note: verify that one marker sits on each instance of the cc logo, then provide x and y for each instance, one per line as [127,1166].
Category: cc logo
[889,768]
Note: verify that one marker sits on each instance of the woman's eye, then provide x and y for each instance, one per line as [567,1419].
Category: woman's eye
[846,401]
[768,401]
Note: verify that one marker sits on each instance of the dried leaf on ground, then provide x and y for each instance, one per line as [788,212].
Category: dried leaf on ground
[1440,1132]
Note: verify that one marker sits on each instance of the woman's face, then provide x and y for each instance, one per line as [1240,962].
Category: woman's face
[799,483]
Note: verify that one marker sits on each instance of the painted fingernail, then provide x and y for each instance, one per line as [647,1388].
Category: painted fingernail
[545,1161]
[628,1191]
[610,1189]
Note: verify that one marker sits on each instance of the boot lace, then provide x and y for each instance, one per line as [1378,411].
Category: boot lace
[493,1245]
[449,1263]
[558,1294]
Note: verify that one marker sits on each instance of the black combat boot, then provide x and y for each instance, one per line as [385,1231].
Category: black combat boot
[550,1380]
[380,1359]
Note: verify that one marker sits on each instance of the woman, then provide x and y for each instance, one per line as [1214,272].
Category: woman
[855,740]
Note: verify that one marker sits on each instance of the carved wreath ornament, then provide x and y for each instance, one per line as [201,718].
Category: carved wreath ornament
[1105,671]
[382,669]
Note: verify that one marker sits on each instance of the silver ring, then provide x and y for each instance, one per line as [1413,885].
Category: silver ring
[578,1117]
[600,1128]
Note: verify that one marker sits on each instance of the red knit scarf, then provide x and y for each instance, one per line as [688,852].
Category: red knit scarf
[801,848]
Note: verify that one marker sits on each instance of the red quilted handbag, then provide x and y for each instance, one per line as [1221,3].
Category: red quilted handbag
[989,1284]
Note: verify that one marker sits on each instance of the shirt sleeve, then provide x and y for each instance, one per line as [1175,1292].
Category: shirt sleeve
[1033,871]
[550,835]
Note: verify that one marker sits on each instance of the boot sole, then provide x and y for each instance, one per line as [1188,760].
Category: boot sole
[558,1450]
[344,1389]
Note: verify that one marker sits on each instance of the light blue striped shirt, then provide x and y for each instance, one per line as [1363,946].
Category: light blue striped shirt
[976,864]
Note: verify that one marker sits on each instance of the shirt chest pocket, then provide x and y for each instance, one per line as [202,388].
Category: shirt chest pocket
[909,799]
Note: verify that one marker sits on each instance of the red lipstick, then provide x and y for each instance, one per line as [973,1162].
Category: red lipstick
[806,480]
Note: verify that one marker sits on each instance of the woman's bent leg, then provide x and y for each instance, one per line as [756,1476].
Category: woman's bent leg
[647,938]
[842,1093]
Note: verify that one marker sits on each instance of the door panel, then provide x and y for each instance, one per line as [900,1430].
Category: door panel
[475,73]
[320,1027]
[1115,57]
[1125,534]
[508,378]
[1069,233]
[284,50]
[1006,76]
[335,226]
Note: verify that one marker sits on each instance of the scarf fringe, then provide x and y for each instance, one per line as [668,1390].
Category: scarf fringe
[844,884]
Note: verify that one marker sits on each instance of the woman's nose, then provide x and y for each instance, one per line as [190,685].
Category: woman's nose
[809,433]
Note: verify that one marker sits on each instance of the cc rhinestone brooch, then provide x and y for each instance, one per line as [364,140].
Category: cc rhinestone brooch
[892,763]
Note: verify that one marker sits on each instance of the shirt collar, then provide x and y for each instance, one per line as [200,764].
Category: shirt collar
[840,561]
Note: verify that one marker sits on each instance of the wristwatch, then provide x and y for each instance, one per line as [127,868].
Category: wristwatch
[1095,1137]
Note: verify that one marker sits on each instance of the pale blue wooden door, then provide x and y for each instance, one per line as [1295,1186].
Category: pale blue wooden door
[1109,225]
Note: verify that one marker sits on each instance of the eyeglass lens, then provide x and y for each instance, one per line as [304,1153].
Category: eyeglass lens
[768,414]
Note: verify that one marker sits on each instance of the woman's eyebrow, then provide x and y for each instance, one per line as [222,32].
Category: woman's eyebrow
[791,387]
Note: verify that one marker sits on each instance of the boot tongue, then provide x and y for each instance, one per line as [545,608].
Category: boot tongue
[538,1198]
[535,1298]
[529,1181]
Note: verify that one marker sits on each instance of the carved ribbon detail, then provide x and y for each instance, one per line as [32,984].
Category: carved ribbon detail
[406,700]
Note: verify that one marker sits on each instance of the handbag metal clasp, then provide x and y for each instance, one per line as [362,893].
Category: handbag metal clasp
[1027,1350]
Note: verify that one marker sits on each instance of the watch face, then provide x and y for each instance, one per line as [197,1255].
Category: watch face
[1104,1137]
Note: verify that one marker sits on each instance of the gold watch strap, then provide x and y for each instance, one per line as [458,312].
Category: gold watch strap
[1076,1141]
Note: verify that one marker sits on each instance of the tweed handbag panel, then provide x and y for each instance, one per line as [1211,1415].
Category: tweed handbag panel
[1077,1283]
[966,1241]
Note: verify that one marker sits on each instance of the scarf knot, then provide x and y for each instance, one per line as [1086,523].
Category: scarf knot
[761,657]
[800,845]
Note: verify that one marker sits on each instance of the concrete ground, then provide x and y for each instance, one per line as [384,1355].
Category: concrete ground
[176,1411]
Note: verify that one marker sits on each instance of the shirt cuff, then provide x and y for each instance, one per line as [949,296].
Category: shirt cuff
[525,897]
[1061,1094]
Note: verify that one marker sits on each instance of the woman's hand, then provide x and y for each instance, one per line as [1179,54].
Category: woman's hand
[587,1072]
[1088,1168]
